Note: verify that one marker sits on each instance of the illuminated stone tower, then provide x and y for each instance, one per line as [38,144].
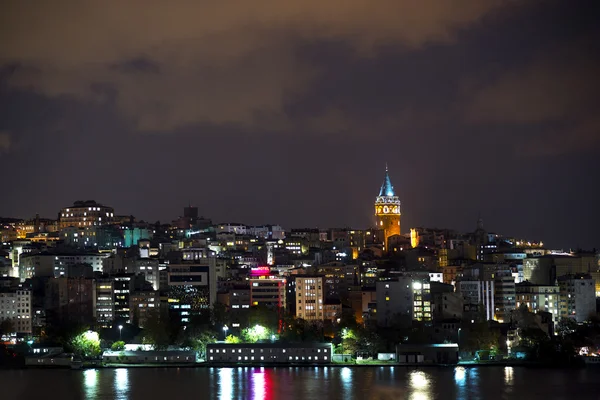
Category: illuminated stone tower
[387,209]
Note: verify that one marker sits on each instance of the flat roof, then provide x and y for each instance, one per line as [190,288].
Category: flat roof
[270,345]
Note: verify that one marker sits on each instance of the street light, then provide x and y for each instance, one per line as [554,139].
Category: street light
[120,329]
[225,329]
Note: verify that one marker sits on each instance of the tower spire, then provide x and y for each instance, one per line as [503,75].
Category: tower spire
[387,189]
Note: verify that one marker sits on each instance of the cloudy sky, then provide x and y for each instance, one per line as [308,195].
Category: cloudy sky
[286,112]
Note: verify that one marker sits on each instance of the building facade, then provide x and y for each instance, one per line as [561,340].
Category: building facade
[85,213]
[269,353]
[577,297]
[310,297]
[15,306]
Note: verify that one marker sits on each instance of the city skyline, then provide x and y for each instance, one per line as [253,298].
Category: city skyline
[287,114]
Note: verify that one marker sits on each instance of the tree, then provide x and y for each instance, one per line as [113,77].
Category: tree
[479,336]
[87,344]
[369,342]
[565,327]
[231,339]
[7,327]
[219,315]
[256,333]
[118,346]
[156,331]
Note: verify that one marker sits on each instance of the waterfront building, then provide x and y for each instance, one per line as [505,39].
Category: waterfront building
[269,353]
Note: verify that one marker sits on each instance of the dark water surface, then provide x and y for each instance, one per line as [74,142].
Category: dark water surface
[302,383]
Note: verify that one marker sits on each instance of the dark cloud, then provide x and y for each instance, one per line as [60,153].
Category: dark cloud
[220,62]
[557,90]
[5,141]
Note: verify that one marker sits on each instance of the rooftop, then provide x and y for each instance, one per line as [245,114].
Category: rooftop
[387,189]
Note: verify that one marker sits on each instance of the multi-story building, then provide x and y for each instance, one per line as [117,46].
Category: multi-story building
[142,305]
[69,300]
[112,298]
[239,297]
[447,306]
[15,306]
[332,311]
[577,297]
[85,213]
[539,298]
[544,270]
[387,210]
[56,264]
[478,298]
[101,237]
[104,303]
[123,286]
[504,294]
[339,278]
[310,297]
[149,269]
[231,227]
[192,288]
[267,289]
[402,300]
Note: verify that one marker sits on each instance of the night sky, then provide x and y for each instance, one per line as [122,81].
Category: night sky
[285,112]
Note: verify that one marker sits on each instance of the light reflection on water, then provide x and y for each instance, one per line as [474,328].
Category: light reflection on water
[346,377]
[225,383]
[121,383]
[419,382]
[332,383]
[90,383]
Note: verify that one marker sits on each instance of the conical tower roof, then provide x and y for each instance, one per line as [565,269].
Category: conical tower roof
[387,189]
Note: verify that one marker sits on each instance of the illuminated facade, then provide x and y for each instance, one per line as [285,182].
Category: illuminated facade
[85,213]
[266,289]
[387,209]
[310,296]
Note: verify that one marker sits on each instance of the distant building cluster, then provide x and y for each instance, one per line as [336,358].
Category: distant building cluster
[93,266]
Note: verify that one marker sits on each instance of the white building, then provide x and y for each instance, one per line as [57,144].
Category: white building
[310,296]
[238,229]
[577,297]
[55,265]
[16,307]
[267,231]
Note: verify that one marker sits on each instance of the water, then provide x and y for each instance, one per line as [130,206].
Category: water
[305,383]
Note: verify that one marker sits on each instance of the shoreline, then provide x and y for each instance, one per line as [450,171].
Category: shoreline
[292,365]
